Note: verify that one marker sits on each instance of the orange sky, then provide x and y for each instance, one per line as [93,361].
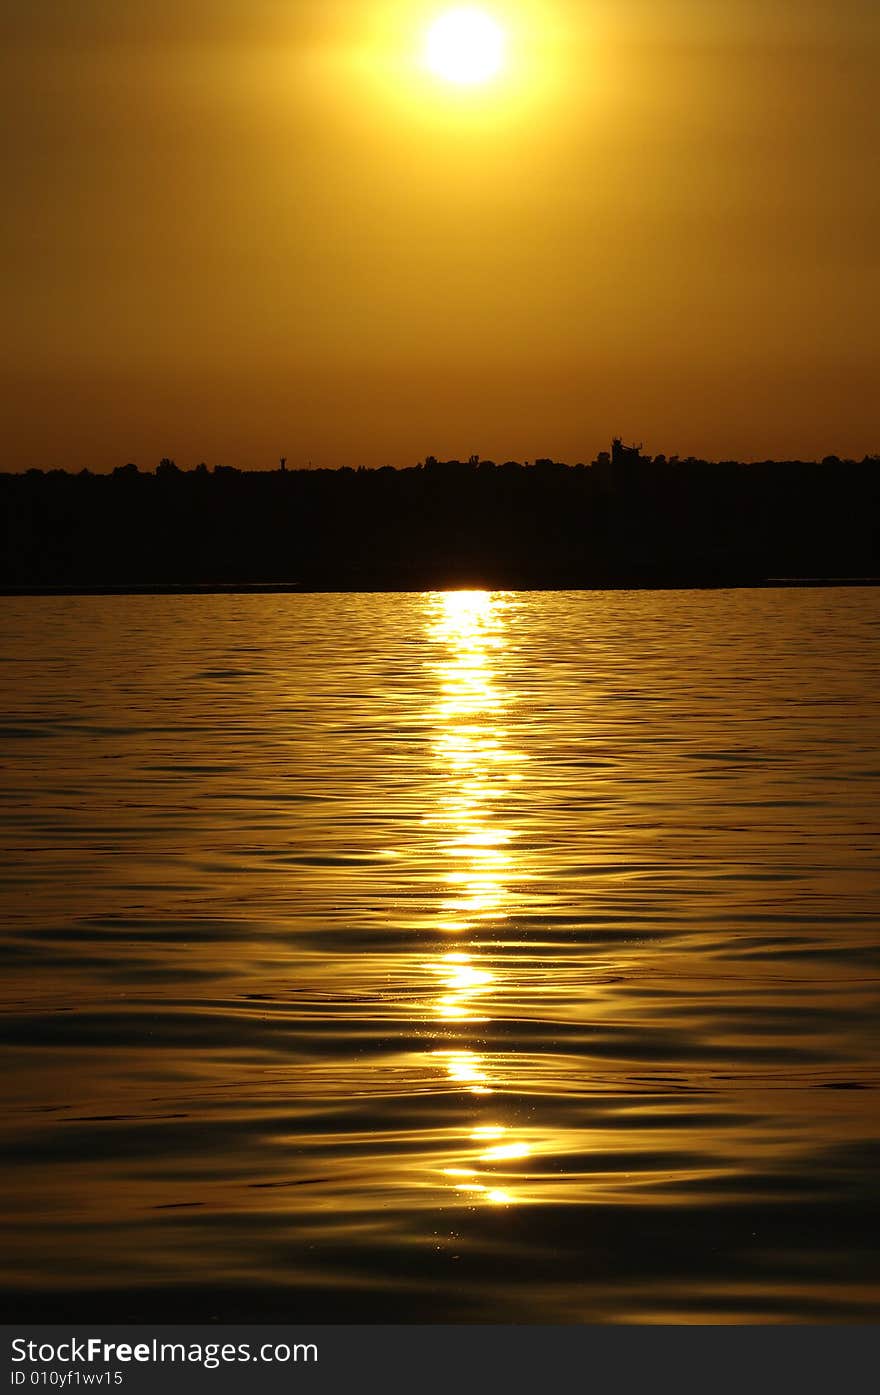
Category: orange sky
[240,228]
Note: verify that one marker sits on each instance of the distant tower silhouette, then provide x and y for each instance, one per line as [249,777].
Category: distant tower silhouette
[283,463]
[624,455]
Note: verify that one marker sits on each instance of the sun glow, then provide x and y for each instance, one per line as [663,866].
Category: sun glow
[465,46]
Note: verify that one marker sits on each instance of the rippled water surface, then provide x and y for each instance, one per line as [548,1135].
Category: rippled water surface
[453,956]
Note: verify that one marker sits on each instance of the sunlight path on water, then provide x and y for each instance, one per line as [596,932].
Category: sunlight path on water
[476,765]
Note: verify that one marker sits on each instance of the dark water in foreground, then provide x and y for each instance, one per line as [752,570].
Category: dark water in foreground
[442,957]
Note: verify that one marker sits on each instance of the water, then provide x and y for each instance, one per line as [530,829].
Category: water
[449,957]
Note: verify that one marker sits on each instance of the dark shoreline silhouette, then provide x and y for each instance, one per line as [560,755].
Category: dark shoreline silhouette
[626,520]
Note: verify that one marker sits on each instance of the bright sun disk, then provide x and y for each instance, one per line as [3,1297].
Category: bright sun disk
[465,46]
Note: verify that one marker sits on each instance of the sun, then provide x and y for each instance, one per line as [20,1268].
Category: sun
[465,46]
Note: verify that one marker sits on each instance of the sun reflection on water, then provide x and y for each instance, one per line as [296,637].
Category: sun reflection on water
[478,764]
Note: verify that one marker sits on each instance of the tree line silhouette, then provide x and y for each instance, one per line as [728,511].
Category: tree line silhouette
[626,519]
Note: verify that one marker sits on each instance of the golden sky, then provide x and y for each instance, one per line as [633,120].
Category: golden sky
[239,228]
